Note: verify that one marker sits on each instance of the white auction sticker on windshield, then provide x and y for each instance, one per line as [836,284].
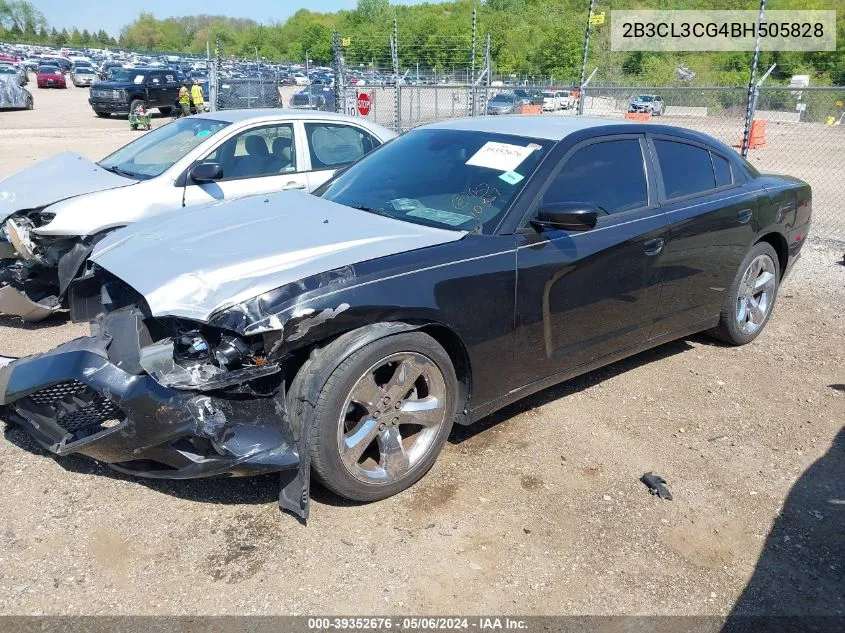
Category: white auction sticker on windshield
[439,215]
[500,156]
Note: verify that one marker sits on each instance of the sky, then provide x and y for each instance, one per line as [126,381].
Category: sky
[111,16]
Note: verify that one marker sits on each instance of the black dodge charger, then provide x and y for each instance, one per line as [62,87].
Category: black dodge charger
[454,270]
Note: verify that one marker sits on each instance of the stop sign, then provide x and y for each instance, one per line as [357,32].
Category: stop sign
[363,104]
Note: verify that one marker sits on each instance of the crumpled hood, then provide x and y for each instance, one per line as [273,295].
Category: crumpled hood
[63,176]
[194,262]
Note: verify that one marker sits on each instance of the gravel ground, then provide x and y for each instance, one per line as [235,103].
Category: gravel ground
[535,510]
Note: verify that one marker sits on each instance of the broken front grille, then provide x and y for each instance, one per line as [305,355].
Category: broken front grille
[74,407]
[54,393]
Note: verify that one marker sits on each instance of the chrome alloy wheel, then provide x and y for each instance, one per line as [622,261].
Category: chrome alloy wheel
[392,417]
[755,294]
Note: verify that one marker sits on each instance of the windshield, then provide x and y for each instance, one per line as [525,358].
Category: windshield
[502,99]
[645,98]
[126,74]
[83,69]
[450,179]
[155,152]
[8,71]
[548,95]
[48,70]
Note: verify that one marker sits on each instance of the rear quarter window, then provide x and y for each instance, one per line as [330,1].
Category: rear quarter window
[722,170]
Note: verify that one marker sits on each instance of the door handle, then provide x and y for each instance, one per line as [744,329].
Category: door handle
[293,185]
[744,216]
[654,246]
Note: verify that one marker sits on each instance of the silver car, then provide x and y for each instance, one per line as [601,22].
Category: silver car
[47,232]
[83,76]
[13,96]
[503,103]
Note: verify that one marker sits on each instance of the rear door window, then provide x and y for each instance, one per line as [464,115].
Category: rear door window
[687,169]
[334,145]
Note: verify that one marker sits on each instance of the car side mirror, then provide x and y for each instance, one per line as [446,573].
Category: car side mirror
[206,172]
[566,216]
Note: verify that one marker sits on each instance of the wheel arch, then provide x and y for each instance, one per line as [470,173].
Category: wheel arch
[777,242]
[321,357]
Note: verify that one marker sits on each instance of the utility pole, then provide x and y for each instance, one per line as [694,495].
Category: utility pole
[581,83]
[308,78]
[750,103]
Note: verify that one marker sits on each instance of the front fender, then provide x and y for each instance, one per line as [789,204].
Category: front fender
[92,213]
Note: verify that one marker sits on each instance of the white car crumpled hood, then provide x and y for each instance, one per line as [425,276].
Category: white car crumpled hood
[60,177]
[195,262]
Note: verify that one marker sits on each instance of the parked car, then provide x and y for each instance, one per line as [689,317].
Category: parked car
[107,66]
[246,93]
[47,232]
[18,69]
[551,101]
[50,77]
[528,98]
[460,267]
[314,97]
[652,104]
[31,63]
[9,71]
[503,103]
[82,75]
[566,99]
[13,96]
[147,87]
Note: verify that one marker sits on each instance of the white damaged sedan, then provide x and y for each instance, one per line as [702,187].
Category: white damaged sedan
[47,232]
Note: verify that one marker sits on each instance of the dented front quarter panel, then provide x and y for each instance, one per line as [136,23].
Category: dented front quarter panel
[466,287]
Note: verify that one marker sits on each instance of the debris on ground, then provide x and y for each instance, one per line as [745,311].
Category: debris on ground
[656,485]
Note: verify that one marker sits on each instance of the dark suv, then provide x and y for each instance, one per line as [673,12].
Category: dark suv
[130,87]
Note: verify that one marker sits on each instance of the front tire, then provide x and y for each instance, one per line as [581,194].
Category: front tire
[166,111]
[751,298]
[133,105]
[383,416]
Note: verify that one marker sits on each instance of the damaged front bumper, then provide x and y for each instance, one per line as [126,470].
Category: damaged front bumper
[35,272]
[15,302]
[74,399]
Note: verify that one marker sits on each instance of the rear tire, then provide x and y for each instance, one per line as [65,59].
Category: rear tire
[751,298]
[30,103]
[369,441]
[166,111]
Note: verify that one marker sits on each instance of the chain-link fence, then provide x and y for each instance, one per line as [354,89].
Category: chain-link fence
[403,81]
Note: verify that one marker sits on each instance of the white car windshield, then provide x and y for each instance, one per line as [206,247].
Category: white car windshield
[155,152]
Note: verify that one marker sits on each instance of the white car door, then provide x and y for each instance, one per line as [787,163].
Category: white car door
[262,159]
[332,145]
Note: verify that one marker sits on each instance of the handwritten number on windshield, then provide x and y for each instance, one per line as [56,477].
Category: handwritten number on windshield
[485,194]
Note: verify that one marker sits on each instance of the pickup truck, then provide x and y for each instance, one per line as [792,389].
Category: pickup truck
[131,87]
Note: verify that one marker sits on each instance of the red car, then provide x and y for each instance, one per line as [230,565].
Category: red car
[50,77]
